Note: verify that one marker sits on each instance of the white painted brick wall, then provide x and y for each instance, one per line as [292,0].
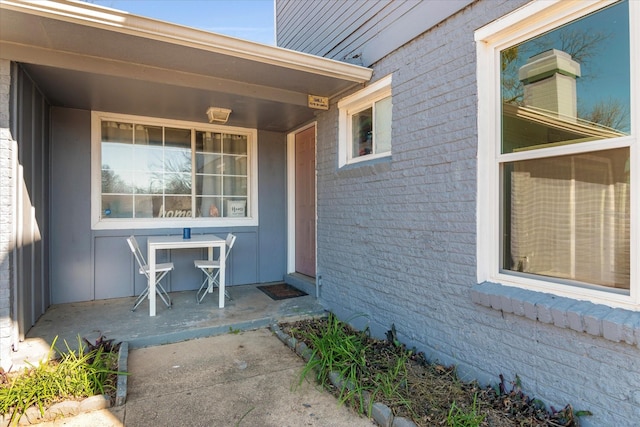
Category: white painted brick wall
[6,215]
[396,242]
[5,86]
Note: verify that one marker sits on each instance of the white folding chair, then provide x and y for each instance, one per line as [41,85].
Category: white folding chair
[211,269]
[161,271]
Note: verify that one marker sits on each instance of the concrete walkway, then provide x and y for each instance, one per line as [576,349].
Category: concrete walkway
[241,379]
[191,365]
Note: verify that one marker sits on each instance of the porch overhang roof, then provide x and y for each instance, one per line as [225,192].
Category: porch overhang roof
[90,57]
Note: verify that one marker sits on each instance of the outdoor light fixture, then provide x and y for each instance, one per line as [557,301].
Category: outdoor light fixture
[218,115]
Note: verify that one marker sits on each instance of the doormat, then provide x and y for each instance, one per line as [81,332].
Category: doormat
[281,291]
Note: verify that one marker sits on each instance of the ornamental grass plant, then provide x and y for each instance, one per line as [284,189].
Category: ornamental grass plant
[73,375]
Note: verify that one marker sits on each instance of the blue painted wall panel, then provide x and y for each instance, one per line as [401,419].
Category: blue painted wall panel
[71,262]
[113,278]
[185,276]
[243,260]
[273,219]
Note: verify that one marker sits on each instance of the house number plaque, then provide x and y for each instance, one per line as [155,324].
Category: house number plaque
[318,102]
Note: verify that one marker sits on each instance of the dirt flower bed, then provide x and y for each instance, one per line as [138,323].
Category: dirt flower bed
[427,393]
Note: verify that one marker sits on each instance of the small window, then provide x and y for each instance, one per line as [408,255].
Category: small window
[365,123]
[152,173]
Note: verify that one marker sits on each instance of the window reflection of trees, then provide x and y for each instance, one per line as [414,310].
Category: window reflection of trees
[112,182]
[147,171]
[586,40]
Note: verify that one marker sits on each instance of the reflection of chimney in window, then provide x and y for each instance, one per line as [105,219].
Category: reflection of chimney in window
[549,80]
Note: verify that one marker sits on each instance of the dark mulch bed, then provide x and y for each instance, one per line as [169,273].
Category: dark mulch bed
[430,389]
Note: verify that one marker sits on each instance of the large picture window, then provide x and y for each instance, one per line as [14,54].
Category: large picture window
[562,159]
[155,173]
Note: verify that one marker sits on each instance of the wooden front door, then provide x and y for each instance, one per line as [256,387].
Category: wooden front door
[305,180]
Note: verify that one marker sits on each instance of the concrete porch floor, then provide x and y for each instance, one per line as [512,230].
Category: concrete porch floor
[249,309]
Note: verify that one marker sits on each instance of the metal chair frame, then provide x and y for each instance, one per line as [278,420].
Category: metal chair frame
[211,269]
[161,271]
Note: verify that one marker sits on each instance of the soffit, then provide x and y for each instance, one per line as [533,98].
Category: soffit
[85,56]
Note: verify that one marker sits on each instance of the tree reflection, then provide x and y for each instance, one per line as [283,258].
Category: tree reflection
[112,182]
[590,42]
[582,45]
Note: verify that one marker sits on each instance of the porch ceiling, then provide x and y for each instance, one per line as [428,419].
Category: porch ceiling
[90,57]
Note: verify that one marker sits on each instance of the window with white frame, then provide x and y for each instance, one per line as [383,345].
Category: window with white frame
[558,183]
[365,123]
[160,173]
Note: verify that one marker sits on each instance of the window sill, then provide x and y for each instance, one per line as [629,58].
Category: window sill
[613,324]
[372,165]
[367,158]
[122,224]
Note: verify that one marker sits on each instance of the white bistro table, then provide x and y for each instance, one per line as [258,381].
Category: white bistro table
[209,241]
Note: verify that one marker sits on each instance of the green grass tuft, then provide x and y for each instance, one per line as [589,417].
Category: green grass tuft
[464,417]
[73,375]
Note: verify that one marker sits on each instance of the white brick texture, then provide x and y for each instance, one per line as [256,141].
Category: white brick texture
[6,215]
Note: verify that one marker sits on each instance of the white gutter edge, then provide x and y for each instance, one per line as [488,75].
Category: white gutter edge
[95,16]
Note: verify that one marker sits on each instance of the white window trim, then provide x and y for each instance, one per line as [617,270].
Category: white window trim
[528,21]
[352,104]
[124,223]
